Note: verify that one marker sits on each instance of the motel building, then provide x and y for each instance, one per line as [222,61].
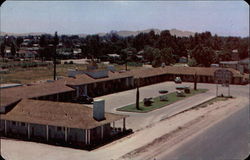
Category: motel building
[60,122]
[51,91]
[99,82]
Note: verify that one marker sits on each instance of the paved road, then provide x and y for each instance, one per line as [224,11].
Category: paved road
[227,140]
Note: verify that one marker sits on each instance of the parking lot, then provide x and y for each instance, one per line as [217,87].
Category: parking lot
[138,121]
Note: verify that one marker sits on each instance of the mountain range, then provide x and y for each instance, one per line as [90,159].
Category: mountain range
[122,33]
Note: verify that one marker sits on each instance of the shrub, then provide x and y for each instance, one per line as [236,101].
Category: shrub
[136,64]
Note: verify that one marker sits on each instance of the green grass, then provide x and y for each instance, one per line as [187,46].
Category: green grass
[159,104]
[33,74]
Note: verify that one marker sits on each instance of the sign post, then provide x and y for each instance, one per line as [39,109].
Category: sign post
[223,77]
[216,90]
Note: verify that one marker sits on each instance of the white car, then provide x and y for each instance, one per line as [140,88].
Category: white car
[177,80]
[180,94]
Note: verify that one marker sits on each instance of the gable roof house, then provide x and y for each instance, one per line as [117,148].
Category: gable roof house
[69,123]
[48,91]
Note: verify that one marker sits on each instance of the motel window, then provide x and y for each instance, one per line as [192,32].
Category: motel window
[22,124]
[13,123]
[59,128]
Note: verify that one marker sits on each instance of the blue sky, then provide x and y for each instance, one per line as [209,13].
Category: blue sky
[220,17]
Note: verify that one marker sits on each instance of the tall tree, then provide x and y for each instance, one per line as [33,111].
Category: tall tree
[13,49]
[3,50]
[203,55]
[167,56]
[137,94]
[56,42]
[195,81]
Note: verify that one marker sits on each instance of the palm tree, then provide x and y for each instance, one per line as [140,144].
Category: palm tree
[137,94]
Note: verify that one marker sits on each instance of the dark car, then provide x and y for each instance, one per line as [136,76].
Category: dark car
[83,99]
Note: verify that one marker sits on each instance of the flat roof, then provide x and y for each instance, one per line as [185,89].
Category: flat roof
[229,62]
[62,114]
[9,85]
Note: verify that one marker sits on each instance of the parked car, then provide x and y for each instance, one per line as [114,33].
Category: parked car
[83,99]
[148,101]
[177,80]
[180,94]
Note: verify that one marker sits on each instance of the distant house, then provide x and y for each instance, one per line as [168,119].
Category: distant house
[113,57]
[214,65]
[8,53]
[35,45]
[245,64]
[235,65]
[235,55]
[183,59]
[60,45]
[139,57]
[25,43]
[229,64]
[140,52]
[77,51]
[27,54]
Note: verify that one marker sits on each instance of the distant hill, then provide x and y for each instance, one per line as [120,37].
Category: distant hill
[126,33]
[122,33]
[23,34]
[178,33]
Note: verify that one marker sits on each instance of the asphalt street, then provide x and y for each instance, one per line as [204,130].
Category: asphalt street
[227,140]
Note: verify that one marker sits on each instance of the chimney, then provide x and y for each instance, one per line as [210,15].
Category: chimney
[99,109]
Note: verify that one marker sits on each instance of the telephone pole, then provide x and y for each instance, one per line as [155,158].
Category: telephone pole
[56,42]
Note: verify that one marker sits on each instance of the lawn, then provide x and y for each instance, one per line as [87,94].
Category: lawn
[159,104]
[33,74]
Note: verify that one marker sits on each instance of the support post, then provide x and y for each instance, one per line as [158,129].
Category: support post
[216,89]
[102,132]
[89,136]
[86,89]
[28,131]
[114,124]
[124,124]
[77,91]
[86,136]
[228,90]
[5,127]
[47,133]
[65,134]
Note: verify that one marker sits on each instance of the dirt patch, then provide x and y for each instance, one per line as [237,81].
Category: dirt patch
[208,116]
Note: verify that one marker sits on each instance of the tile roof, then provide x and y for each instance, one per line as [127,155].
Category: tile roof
[82,79]
[11,95]
[203,71]
[57,114]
